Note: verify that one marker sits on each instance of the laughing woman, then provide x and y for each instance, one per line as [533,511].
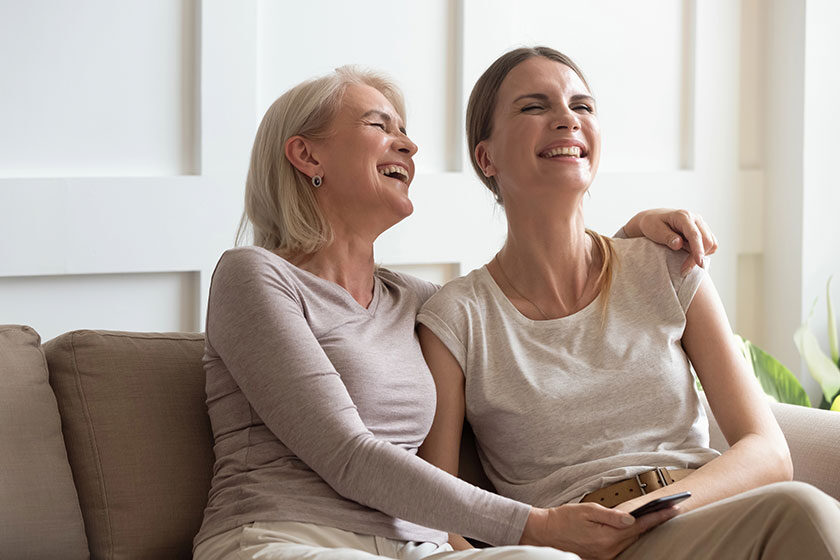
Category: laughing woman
[570,354]
[317,390]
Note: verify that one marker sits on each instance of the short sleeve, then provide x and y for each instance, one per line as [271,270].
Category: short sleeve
[446,314]
[684,286]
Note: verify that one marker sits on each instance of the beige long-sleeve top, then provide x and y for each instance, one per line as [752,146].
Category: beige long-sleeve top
[318,406]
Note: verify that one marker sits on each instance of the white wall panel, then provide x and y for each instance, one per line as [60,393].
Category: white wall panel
[752,82]
[98,88]
[439,273]
[632,54]
[134,302]
[411,41]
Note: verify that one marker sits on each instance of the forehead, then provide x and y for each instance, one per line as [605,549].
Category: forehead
[541,75]
[358,99]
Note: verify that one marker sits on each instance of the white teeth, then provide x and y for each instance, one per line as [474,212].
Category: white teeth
[562,151]
[398,169]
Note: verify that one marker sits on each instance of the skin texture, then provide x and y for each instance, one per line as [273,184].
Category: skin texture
[358,201]
[554,260]
[360,204]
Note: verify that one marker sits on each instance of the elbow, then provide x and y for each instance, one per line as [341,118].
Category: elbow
[783,463]
[786,464]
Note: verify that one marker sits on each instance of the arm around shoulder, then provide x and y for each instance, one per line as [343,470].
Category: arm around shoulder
[258,328]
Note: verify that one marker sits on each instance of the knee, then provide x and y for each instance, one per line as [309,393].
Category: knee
[799,494]
[805,506]
[541,553]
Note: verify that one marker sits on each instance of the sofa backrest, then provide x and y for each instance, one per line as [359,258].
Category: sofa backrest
[140,445]
[39,510]
[138,438]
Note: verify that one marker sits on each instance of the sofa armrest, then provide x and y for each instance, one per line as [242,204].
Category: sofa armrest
[813,436]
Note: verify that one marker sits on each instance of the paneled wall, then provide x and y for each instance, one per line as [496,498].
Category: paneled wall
[126,130]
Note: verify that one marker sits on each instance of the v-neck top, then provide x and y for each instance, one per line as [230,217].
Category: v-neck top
[318,406]
[565,406]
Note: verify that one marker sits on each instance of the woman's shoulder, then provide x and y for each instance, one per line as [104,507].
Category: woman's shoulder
[251,263]
[642,253]
[645,263]
[401,280]
[458,294]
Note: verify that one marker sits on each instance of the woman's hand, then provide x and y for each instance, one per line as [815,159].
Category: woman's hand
[457,542]
[675,229]
[589,530]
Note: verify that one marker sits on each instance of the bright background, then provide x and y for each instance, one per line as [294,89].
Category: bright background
[125,129]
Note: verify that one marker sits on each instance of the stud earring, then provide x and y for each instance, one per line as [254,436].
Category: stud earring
[316,181]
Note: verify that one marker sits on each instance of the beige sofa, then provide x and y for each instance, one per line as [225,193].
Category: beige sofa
[106,448]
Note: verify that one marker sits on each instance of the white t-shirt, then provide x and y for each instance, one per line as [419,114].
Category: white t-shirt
[566,406]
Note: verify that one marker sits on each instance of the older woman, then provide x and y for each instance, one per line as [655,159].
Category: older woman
[574,371]
[316,386]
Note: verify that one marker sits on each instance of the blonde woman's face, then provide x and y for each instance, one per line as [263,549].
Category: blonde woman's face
[545,131]
[367,160]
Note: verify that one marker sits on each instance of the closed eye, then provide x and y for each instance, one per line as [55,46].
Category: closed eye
[530,108]
[378,125]
[586,108]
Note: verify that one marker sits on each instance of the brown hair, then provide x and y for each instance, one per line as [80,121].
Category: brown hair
[480,111]
[280,204]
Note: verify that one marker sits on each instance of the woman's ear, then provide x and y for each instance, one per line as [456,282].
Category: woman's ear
[483,158]
[299,152]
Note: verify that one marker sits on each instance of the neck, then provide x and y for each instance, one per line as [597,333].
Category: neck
[347,261]
[552,256]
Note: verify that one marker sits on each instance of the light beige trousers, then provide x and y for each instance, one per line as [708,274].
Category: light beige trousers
[287,540]
[785,521]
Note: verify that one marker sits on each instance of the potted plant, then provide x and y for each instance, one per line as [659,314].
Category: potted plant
[777,380]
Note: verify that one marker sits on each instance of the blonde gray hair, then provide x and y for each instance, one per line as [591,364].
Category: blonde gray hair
[280,204]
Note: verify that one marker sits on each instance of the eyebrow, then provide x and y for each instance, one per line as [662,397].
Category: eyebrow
[381,114]
[544,97]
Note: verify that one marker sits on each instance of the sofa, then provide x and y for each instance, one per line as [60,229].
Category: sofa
[106,447]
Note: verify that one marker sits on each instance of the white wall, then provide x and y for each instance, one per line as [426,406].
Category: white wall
[126,133]
[800,120]
[821,184]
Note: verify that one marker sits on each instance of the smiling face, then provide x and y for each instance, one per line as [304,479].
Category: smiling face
[366,161]
[545,132]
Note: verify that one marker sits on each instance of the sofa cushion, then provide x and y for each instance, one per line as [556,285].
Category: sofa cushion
[138,437]
[39,515]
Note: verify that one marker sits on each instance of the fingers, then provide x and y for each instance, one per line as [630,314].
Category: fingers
[651,520]
[686,224]
[710,244]
[610,517]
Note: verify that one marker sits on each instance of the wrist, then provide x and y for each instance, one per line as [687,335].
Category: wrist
[534,527]
[632,228]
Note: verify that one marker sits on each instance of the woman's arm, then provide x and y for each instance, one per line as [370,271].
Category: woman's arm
[256,325]
[442,445]
[675,229]
[759,454]
[590,530]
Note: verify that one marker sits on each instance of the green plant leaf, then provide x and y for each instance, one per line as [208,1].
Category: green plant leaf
[776,380]
[836,405]
[832,326]
[821,367]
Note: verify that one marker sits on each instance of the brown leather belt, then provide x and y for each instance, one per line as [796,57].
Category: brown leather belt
[639,485]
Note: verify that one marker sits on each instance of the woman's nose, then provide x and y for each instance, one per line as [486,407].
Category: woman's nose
[405,145]
[566,118]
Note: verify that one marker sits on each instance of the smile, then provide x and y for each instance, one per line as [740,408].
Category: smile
[567,151]
[394,172]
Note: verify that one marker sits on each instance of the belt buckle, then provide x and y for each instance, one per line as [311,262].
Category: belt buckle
[641,484]
[660,475]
